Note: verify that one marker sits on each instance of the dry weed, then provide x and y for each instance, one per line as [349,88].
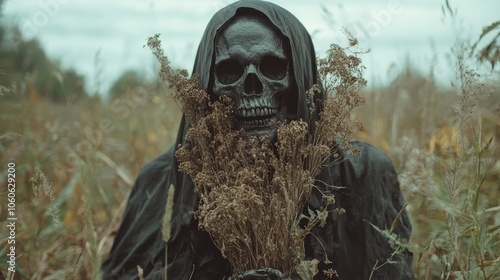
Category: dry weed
[459,244]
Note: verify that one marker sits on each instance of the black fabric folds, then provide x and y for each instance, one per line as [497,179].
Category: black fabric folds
[370,192]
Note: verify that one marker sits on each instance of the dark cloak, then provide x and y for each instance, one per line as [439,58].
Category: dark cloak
[370,192]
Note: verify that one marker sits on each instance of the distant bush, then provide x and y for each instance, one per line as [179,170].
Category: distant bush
[129,81]
[27,72]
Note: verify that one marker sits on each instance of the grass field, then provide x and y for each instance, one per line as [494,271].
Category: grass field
[75,165]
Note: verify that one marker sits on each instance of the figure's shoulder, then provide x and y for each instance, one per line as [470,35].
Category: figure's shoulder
[370,152]
[371,159]
[158,164]
[155,171]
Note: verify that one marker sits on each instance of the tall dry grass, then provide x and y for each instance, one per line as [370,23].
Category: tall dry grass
[446,145]
[75,166]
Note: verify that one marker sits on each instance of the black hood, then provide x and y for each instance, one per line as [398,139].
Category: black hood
[300,46]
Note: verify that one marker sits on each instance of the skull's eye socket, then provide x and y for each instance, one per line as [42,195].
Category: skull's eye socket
[229,71]
[273,67]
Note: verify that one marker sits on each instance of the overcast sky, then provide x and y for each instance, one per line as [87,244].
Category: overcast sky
[76,31]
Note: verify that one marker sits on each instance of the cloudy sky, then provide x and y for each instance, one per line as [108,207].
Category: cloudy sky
[76,32]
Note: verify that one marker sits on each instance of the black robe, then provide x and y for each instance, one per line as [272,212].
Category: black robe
[371,192]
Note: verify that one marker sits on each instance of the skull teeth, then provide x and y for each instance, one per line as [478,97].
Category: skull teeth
[256,123]
[256,112]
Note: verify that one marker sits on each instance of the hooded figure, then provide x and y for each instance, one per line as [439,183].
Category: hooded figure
[370,190]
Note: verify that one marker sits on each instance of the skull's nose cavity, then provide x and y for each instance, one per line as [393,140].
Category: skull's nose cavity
[252,85]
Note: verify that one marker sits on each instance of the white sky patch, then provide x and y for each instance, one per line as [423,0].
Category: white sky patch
[73,31]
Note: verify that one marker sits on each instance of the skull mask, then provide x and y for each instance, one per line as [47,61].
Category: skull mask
[252,67]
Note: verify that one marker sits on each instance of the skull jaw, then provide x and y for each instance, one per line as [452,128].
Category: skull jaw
[268,128]
[269,132]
